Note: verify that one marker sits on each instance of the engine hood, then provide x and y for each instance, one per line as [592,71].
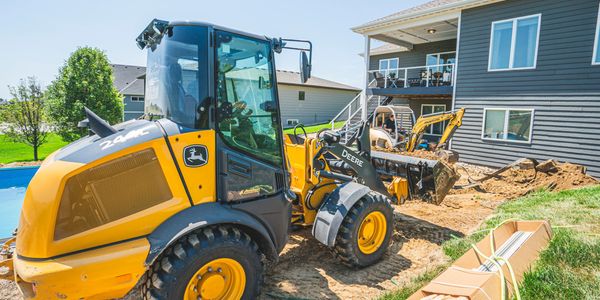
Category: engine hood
[93,147]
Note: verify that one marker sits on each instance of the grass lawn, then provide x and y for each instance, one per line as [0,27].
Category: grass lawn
[314,128]
[569,268]
[12,152]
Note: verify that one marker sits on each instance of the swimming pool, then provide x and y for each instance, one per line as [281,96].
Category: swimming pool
[13,183]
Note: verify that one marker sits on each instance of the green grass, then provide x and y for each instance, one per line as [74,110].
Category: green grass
[13,152]
[314,128]
[569,268]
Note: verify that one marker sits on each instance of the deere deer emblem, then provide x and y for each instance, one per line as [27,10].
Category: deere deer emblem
[195,156]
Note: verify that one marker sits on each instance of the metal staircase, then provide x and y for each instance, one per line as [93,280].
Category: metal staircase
[348,120]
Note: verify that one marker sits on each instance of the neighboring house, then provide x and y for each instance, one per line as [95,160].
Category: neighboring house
[315,101]
[527,72]
[129,81]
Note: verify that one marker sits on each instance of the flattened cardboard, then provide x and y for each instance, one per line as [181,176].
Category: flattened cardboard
[462,278]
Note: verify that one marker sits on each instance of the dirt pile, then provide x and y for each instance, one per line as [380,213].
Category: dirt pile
[524,178]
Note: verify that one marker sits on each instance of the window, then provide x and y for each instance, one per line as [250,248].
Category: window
[507,124]
[388,66]
[442,58]
[438,128]
[301,95]
[247,111]
[514,43]
[292,122]
[137,99]
[596,55]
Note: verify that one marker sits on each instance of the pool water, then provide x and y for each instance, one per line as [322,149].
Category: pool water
[13,183]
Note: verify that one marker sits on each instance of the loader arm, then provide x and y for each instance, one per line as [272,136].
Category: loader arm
[454,116]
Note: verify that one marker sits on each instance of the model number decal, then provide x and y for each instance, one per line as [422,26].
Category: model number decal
[123,138]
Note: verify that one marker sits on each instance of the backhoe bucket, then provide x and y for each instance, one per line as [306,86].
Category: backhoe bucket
[428,179]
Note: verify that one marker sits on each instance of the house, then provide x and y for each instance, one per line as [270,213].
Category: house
[527,72]
[129,81]
[315,101]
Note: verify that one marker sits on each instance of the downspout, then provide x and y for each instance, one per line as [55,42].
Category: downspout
[455,75]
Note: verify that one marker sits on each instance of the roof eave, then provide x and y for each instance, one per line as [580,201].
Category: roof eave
[366,28]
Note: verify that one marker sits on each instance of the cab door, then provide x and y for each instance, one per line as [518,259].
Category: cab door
[249,140]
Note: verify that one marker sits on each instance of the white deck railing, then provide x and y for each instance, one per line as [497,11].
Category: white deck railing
[421,76]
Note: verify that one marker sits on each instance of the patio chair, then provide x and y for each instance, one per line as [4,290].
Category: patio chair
[379,79]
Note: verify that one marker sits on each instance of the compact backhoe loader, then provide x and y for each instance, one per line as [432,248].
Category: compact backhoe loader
[408,133]
[189,201]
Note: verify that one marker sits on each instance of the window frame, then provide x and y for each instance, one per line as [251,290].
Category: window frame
[596,40]
[429,130]
[506,119]
[513,39]
[137,98]
[388,60]
[287,121]
[301,95]
[438,56]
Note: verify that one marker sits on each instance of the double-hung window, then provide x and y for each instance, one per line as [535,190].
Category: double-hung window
[507,124]
[514,43]
[388,67]
[596,55]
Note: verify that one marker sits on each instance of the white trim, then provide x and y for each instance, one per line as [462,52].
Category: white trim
[438,56]
[455,69]
[506,119]
[428,132]
[133,111]
[388,64]
[513,43]
[596,39]
[429,14]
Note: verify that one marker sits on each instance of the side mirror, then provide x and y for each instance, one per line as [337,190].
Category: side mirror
[304,67]
[269,106]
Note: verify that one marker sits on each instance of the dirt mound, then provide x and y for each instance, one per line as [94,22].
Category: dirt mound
[523,179]
[417,153]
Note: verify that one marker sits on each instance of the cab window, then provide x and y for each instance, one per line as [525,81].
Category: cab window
[247,115]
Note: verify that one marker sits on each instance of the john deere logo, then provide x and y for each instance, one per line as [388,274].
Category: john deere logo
[195,155]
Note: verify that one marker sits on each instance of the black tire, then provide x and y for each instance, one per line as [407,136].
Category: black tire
[346,247]
[172,271]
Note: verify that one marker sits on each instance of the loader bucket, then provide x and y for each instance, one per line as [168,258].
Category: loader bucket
[428,179]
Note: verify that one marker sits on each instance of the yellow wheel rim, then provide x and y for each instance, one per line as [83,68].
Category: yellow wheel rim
[222,278]
[372,232]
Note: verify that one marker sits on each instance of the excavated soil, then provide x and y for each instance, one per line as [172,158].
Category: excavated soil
[307,270]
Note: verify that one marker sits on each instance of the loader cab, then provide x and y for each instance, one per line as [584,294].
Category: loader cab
[203,77]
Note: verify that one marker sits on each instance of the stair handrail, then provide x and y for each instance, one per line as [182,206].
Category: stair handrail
[347,107]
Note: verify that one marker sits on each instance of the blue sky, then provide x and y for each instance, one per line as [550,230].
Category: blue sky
[40,35]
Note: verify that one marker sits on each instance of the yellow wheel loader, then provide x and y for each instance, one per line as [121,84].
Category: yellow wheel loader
[191,200]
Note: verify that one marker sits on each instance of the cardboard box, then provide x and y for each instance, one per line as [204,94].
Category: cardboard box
[473,277]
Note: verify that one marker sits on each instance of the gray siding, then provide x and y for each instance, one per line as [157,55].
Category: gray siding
[417,56]
[133,109]
[320,104]
[564,89]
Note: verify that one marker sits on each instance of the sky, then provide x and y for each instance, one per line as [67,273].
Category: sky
[40,35]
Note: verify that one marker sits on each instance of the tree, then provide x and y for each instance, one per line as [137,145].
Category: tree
[85,80]
[24,115]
